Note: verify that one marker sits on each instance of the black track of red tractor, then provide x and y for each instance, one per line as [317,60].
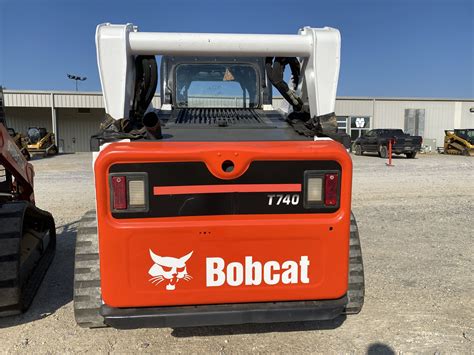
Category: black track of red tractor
[27,246]
[356,289]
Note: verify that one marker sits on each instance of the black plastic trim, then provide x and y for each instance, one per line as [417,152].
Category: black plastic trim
[131,176]
[197,173]
[222,314]
[320,174]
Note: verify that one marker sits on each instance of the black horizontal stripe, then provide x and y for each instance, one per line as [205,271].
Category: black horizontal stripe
[197,173]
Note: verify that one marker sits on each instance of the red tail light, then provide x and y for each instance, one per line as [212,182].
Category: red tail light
[331,183]
[119,186]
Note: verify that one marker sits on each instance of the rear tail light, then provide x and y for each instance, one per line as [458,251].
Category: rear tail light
[136,192]
[129,192]
[315,189]
[119,194]
[331,183]
[321,189]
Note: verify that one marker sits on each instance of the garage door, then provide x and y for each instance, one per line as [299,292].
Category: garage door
[76,126]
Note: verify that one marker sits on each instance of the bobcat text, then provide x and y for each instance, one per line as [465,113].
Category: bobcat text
[255,272]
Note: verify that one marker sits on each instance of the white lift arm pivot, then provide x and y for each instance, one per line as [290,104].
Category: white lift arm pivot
[117,46]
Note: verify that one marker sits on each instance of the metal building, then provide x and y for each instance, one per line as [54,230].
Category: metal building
[418,116]
[75,116]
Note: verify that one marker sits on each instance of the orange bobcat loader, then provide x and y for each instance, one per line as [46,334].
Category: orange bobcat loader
[217,208]
[27,233]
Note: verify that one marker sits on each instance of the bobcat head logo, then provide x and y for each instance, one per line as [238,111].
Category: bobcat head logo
[169,269]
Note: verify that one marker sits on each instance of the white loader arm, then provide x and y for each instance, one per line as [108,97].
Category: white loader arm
[117,46]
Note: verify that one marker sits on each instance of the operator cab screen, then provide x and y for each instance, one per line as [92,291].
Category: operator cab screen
[216,85]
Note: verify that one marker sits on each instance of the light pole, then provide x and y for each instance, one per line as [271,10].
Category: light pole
[76,78]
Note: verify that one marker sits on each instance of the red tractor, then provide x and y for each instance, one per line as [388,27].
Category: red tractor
[27,233]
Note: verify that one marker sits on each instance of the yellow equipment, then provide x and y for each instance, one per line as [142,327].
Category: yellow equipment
[459,142]
[41,141]
[21,142]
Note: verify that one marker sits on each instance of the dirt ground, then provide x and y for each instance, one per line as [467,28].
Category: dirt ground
[416,225]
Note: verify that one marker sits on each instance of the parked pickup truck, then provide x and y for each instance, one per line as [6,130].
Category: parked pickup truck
[377,140]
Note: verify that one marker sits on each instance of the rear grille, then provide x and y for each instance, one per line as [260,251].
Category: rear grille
[220,117]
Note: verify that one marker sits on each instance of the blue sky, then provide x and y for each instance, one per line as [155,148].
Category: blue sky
[419,48]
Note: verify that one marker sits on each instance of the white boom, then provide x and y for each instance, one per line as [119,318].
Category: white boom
[117,45]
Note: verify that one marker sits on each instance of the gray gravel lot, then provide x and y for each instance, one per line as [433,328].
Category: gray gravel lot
[416,224]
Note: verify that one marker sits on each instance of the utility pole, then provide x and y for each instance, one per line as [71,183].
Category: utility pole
[76,78]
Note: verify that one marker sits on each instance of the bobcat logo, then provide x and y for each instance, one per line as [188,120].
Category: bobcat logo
[167,268]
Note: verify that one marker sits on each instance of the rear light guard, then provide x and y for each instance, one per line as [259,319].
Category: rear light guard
[322,189]
[129,192]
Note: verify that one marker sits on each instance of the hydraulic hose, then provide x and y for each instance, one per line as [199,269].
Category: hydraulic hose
[275,69]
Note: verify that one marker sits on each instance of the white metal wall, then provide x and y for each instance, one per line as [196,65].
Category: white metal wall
[204,101]
[33,108]
[354,108]
[84,100]
[61,99]
[467,117]
[22,118]
[438,116]
[22,99]
[75,129]
[278,102]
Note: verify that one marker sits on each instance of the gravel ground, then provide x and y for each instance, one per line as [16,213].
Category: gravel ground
[416,227]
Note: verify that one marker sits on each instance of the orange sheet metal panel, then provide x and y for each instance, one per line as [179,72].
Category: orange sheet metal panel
[215,259]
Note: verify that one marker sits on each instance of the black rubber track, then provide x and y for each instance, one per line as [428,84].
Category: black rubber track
[87,295]
[16,290]
[356,290]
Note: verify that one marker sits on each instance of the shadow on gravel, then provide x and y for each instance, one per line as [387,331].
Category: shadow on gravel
[257,328]
[57,287]
[380,348]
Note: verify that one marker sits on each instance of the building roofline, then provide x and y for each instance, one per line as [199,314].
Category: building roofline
[396,98]
[357,98]
[59,92]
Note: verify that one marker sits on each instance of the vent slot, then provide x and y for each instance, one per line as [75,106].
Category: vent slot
[219,117]
[3,174]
